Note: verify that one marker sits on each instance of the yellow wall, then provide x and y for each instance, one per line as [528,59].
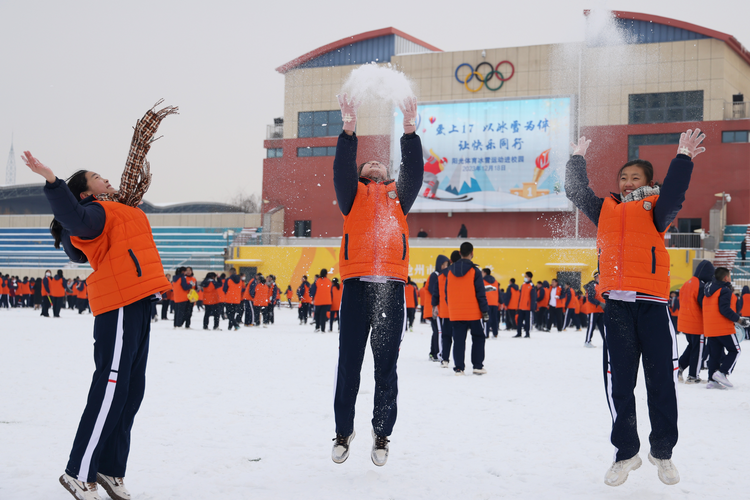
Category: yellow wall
[288,264]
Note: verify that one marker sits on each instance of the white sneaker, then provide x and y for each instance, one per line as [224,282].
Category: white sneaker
[667,471]
[341,447]
[379,452]
[479,371]
[445,364]
[458,373]
[715,385]
[79,489]
[679,375]
[618,473]
[114,487]
[722,379]
[589,345]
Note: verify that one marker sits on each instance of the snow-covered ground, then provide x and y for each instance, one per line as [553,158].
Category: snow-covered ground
[248,414]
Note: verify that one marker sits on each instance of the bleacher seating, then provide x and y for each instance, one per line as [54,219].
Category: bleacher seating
[198,247]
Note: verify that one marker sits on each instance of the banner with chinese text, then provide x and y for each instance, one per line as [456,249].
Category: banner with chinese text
[504,155]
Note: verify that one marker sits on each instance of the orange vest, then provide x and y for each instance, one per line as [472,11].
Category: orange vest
[426,302]
[714,323]
[575,304]
[56,287]
[126,263]
[44,290]
[289,294]
[545,300]
[84,294]
[492,294]
[411,301]
[524,296]
[376,235]
[514,296]
[674,311]
[306,295]
[210,294]
[745,305]
[234,292]
[336,297]
[443,311]
[462,298]
[179,293]
[323,292]
[262,295]
[690,319]
[559,302]
[632,255]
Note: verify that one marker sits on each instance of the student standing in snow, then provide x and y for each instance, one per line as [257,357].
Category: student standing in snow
[674,308]
[634,277]
[719,316]
[690,322]
[745,309]
[526,304]
[542,301]
[320,291]
[433,290]
[374,265]
[594,309]
[115,237]
[493,303]
[467,304]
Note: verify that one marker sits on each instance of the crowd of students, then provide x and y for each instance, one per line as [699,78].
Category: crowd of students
[46,293]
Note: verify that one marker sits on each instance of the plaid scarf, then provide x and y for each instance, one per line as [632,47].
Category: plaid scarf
[641,193]
[136,178]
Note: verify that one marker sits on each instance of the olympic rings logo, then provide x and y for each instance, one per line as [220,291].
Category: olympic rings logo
[484,80]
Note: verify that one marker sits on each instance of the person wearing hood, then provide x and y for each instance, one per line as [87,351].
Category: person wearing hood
[719,316]
[374,267]
[440,310]
[542,301]
[594,308]
[634,278]
[745,307]
[493,303]
[436,322]
[467,306]
[303,293]
[690,322]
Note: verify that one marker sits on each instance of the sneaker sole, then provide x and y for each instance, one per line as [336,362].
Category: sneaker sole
[110,491]
[661,478]
[69,488]
[636,467]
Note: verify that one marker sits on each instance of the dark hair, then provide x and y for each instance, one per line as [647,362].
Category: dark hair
[529,274]
[455,256]
[77,184]
[648,169]
[466,249]
[513,280]
[487,270]
[721,273]
[323,273]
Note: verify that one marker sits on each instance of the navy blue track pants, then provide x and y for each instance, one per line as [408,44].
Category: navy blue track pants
[102,442]
[634,330]
[692,357]
[596,320]
[494,323]
[434,338]
[524,322]
[446,338]
[377,310]
[459,343]
[718,360]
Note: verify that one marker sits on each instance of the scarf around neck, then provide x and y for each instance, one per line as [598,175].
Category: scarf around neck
[641,193]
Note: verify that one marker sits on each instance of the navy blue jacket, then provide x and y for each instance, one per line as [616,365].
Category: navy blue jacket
[725,299]
[345,180]
[671,196]
[541,292]
[433,286]
[462,268]
[81,218]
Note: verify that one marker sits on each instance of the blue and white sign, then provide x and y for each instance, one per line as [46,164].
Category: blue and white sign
[506,155]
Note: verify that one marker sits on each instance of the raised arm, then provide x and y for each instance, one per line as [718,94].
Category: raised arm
[411,171]
[577,183]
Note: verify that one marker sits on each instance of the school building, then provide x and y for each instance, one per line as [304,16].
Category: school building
[634,98]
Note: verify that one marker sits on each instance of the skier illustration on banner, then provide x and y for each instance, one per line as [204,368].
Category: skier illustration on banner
[434,164]
[529,189]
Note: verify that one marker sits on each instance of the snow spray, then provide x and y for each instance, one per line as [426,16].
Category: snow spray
[378,85]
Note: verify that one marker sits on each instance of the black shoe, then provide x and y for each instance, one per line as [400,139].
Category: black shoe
[516,336]
[526,337]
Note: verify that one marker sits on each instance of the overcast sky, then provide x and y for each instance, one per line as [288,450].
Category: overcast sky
[75,75]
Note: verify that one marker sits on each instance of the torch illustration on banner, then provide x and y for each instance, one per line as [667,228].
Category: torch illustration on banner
[529,189]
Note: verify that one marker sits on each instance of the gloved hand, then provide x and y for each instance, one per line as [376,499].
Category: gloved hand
[689,142]
[745,322]
[348,111]
[581,147]
[486,316]
[409,109]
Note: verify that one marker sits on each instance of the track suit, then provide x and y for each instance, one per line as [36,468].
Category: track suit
[745,307]
[128,274]
[719,316]
[411,302]
[690,320]
[320,291]
[442,322]
[467,302]
[374,265]
[525,306]
[634,277]
[594,308]
[210,302]
[542,301]
[674,311]
[336,291]
[556,305]
[511,296]
[492,294]
[180,288]
[303,292]
[56,290]
[233,296]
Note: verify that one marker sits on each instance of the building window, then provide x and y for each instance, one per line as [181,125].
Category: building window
[734,136]
[665,107]
[274,152]
[302,228]
[319,123]
[635,141]
[319,151]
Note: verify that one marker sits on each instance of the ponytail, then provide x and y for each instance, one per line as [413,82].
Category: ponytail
[77,184]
